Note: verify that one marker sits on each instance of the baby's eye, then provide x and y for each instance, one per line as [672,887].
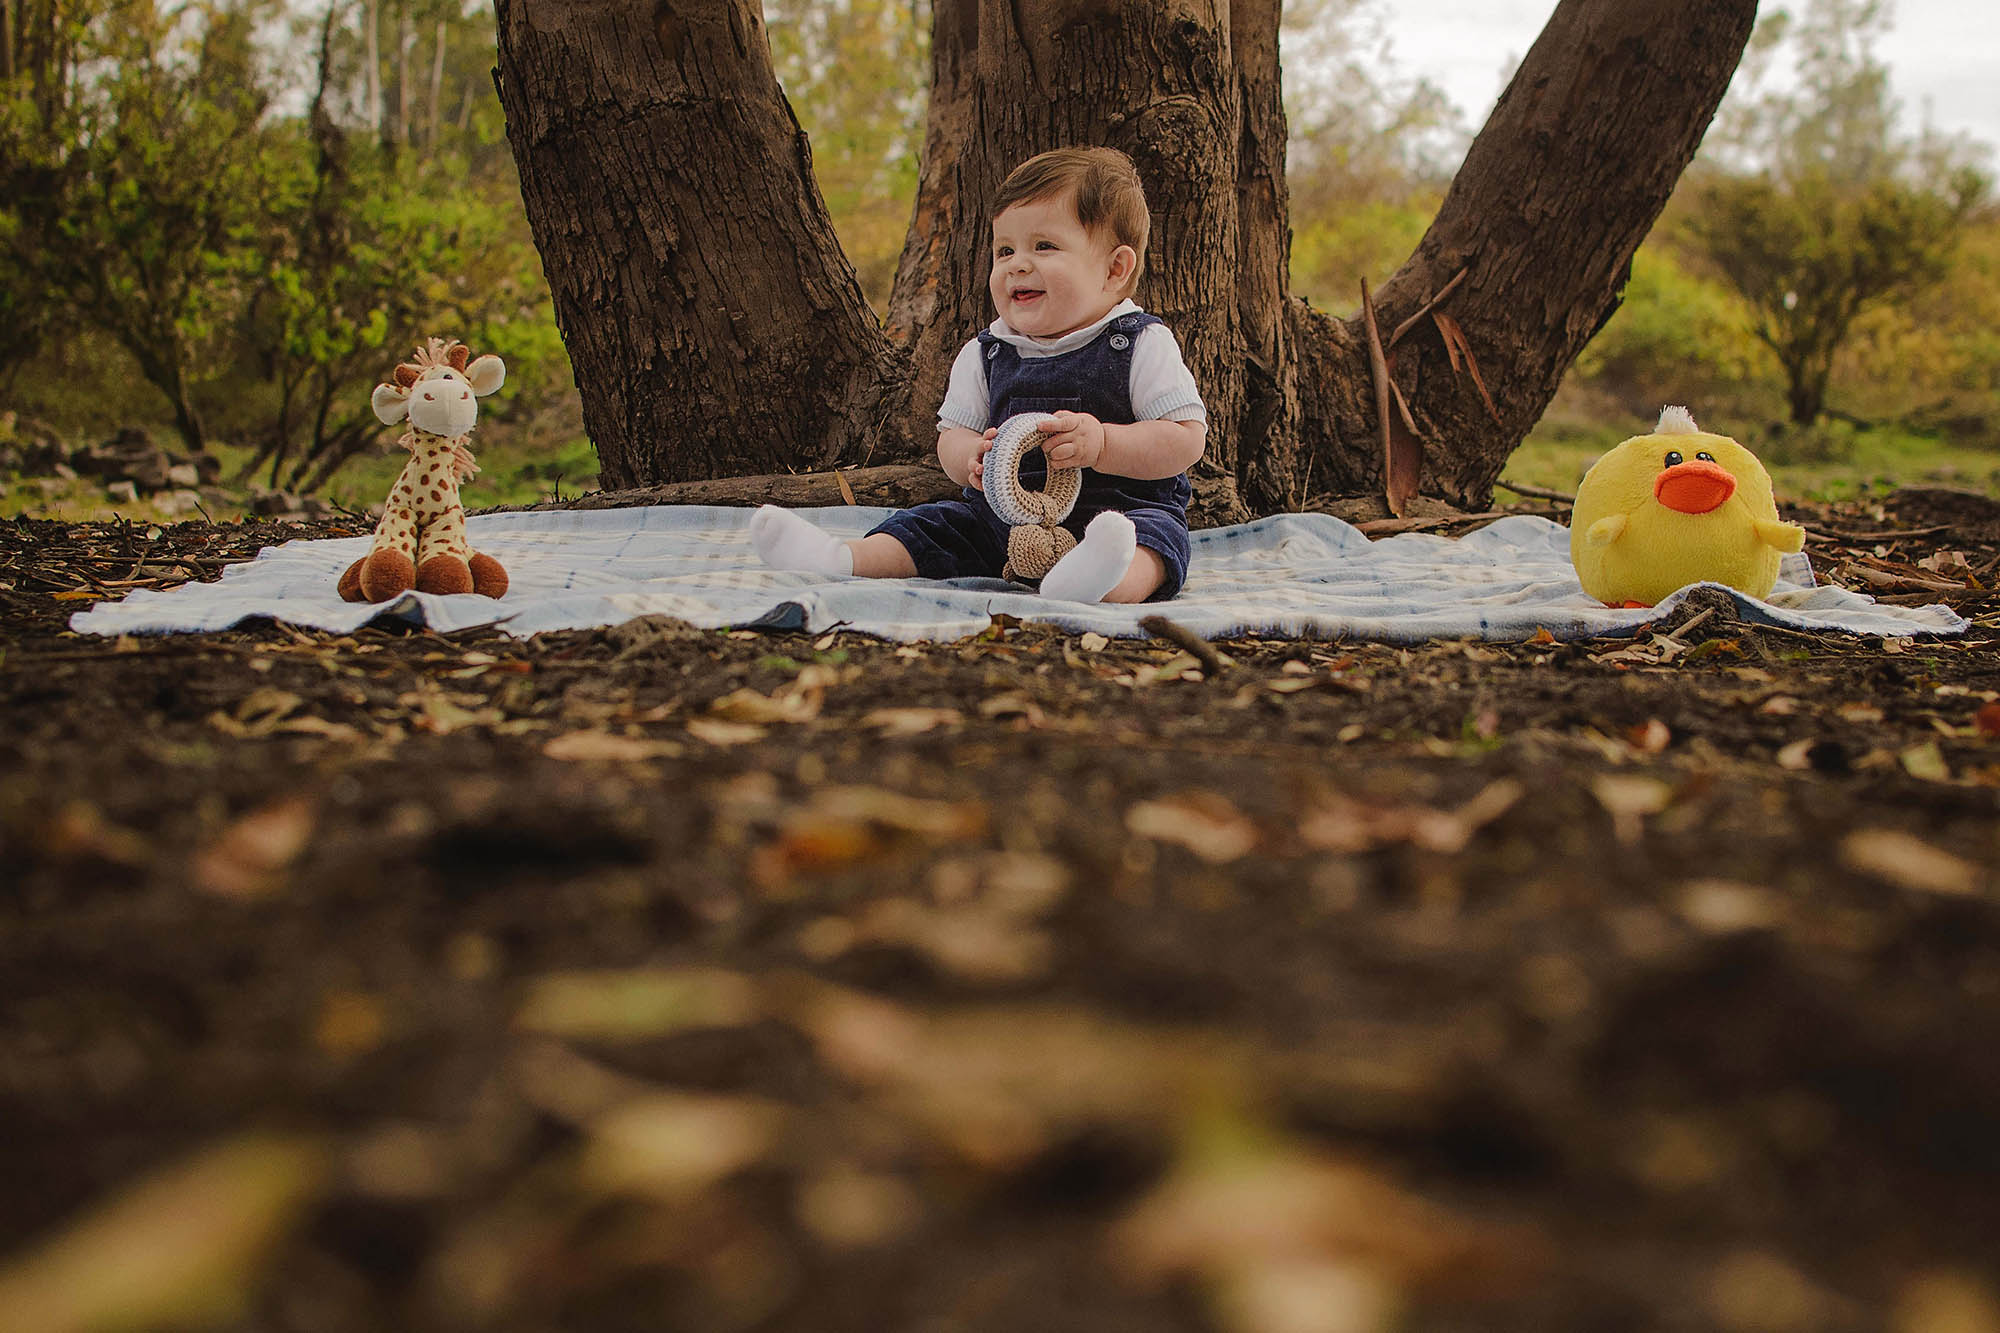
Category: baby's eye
[1002,251]
[1705,456]
[1673,458]
[1045,245]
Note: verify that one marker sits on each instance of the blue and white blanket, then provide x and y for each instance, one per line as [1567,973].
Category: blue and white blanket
[1292,576]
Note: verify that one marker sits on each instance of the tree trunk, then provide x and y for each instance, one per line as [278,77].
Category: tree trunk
[622,154]
[713,322]
[437,88]
[372,34]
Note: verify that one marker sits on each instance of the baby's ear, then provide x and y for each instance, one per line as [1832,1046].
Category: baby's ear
[1124,262]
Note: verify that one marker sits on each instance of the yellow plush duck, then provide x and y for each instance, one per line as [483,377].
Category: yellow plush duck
[1676,507]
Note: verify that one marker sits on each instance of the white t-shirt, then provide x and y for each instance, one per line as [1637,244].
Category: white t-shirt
[1162,387]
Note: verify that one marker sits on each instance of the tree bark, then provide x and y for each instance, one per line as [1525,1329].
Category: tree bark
[713,322]
[661,197]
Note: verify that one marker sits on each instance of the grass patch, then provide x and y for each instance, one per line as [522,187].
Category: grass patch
[1830,462]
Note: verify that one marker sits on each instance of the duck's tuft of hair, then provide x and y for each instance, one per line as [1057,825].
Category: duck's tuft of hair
[1676,421]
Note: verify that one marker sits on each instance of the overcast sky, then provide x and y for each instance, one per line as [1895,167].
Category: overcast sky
[1943,55]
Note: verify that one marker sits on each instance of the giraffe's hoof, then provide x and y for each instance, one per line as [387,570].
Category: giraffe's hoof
[350,582]
[489,577]
[385,574]
[444,574]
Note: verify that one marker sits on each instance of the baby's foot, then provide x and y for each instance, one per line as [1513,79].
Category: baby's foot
[1097,563]
[786,541]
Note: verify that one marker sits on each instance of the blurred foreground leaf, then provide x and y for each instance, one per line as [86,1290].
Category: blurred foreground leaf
[179,1249]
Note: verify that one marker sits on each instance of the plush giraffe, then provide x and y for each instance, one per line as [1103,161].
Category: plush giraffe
[420,542]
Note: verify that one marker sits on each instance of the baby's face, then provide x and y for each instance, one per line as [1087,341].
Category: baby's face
[1050,276]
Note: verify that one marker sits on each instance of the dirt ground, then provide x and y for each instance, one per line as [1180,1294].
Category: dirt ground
[654,978]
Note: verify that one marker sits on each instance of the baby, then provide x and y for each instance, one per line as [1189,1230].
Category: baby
[1069,240]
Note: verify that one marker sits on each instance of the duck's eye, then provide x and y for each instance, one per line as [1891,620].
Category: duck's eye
[1674,458]
[1705,456]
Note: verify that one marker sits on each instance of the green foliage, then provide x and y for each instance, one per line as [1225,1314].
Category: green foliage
[136,197]
[1811,255]
[1335,246]
[1677,337]
[1838,215]
[857,73]
[263,270]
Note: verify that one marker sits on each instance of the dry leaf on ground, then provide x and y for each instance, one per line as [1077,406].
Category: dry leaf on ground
[1909,862]
[1204,822]
[179,1249]
[250,857]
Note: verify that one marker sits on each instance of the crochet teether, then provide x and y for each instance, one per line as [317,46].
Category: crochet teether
[1036,539]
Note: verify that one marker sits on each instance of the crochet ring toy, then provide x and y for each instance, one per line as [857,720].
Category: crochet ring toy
[1036,540]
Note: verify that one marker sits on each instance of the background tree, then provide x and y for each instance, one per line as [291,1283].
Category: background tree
[716,327]
[1828,211]
[140,168]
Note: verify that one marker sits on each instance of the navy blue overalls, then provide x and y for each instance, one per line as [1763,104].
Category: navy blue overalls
[960,538]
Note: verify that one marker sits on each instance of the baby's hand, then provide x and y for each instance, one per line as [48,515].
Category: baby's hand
[1073,439]
[976,477]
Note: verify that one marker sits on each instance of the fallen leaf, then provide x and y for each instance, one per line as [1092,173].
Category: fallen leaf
[1337,822]
[441,715]
[1987,720]
[1205,823]
[912,721]
[1181,666]
[1011,705]
[747,705]
[1628,799]
[1724,907]
[636,1004]
[906,814]
[1541,636]
[250,857]
[1649,737]
[718,733]
[1259,1210]
[1092,642]
[1797,756]
[607,747]
[1927,762]
[256,714]
[674,1145]
[1909,862]
[966,942]
[1779,705]
[319,726]
[182,1248]
[80,831]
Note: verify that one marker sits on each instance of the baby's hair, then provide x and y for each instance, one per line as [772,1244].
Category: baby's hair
[1103,182]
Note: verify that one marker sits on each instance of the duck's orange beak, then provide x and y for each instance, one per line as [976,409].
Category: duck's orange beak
[1694,487]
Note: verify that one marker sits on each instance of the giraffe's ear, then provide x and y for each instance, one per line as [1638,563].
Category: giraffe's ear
[391,403]
[486,374]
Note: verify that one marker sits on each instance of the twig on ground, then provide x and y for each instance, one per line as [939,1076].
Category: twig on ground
[1212,661]
[1536,492]
[1837,535]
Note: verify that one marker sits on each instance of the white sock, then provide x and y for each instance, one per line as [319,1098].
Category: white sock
[1097,563]
[786,541]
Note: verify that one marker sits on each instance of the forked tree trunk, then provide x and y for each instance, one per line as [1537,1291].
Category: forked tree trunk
[687,249]
[714,324]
